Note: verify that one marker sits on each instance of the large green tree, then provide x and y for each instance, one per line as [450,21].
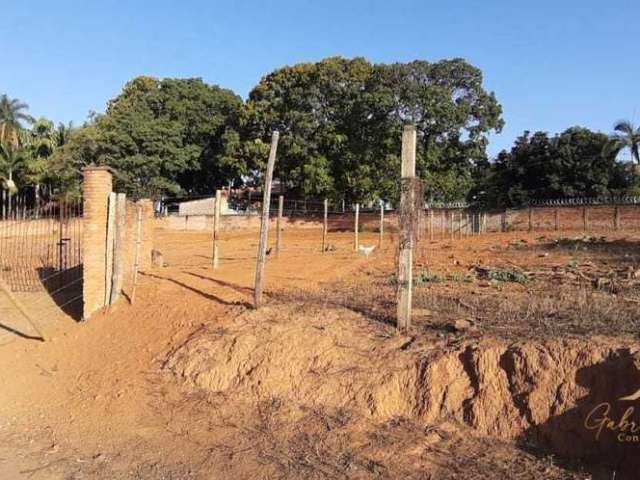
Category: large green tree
[574,163]
[341,123]
[162,135]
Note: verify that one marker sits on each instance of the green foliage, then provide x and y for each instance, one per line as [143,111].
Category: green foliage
[12,116]
[161,136]
[626,137]
[575,163]
[341,122]
[504,275]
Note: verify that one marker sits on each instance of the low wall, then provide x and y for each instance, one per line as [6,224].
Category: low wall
[598,217]
[232,223]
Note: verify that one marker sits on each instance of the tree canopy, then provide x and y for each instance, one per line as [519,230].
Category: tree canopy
[341,123]
[574,163]
[163,136]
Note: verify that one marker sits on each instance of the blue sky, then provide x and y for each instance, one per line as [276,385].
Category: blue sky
[552,64]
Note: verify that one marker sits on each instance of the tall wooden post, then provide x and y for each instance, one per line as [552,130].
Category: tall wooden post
[264,224]
[356,222]
[111,226]
[136,261]
[557,218]
[585,218]
[530,219]
[616,218]
[217,208]
[325,225]
[405,255]
[431,224]
[279,225]
[118,248]
[381,231]
[450,213]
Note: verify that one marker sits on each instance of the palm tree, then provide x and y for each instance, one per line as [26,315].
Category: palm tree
[626,136]
[10,161]
[12,114]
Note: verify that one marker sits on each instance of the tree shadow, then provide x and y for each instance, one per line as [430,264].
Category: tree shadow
[233,286]
[575,435]
[65,288]
[206,295]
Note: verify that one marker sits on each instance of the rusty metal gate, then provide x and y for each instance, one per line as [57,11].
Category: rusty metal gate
[41,251]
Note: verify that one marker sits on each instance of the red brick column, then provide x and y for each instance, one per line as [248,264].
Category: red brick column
[96,189]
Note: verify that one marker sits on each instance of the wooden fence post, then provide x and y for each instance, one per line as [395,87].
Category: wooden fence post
[136,262]
[118,248]
[585,218]
[279,225]
[530,219]
[450,213]
[217,208]
[431,224]
[405,255]
[381,231]
[325,225]
[111,227]
[557,218]
[264,224]
[356,238]
[616,218]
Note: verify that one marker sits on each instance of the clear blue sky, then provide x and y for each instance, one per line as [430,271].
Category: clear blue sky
[552,64]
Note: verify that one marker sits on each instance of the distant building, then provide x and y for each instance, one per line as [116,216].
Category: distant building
[203,206]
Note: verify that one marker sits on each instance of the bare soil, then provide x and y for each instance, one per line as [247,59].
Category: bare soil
[515,338]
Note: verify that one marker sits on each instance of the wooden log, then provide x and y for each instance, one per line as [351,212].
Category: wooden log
[279,225]
[405,255]
[118,248]
[264,223]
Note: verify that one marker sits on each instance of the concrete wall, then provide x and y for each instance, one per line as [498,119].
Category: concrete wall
[543,219]
[203,206]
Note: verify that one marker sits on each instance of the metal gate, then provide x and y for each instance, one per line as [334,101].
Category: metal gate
[41,250]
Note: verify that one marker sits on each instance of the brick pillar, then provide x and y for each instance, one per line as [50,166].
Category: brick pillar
[96,188]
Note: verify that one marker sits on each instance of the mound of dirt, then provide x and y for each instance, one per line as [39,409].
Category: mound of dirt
[334,358]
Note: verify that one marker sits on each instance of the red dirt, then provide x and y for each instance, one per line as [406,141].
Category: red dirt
[187,383]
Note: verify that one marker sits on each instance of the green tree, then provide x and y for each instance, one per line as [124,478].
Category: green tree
[11,161]
[341,122]
[574,163]
[170,135]
[626,137]
[12,115]
[166,135]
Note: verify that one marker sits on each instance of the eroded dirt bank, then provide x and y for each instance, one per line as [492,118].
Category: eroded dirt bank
[533,392]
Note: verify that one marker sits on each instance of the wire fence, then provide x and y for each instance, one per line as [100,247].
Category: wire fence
[41,251]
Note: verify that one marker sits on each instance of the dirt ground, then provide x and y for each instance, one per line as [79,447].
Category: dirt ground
[511,332]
